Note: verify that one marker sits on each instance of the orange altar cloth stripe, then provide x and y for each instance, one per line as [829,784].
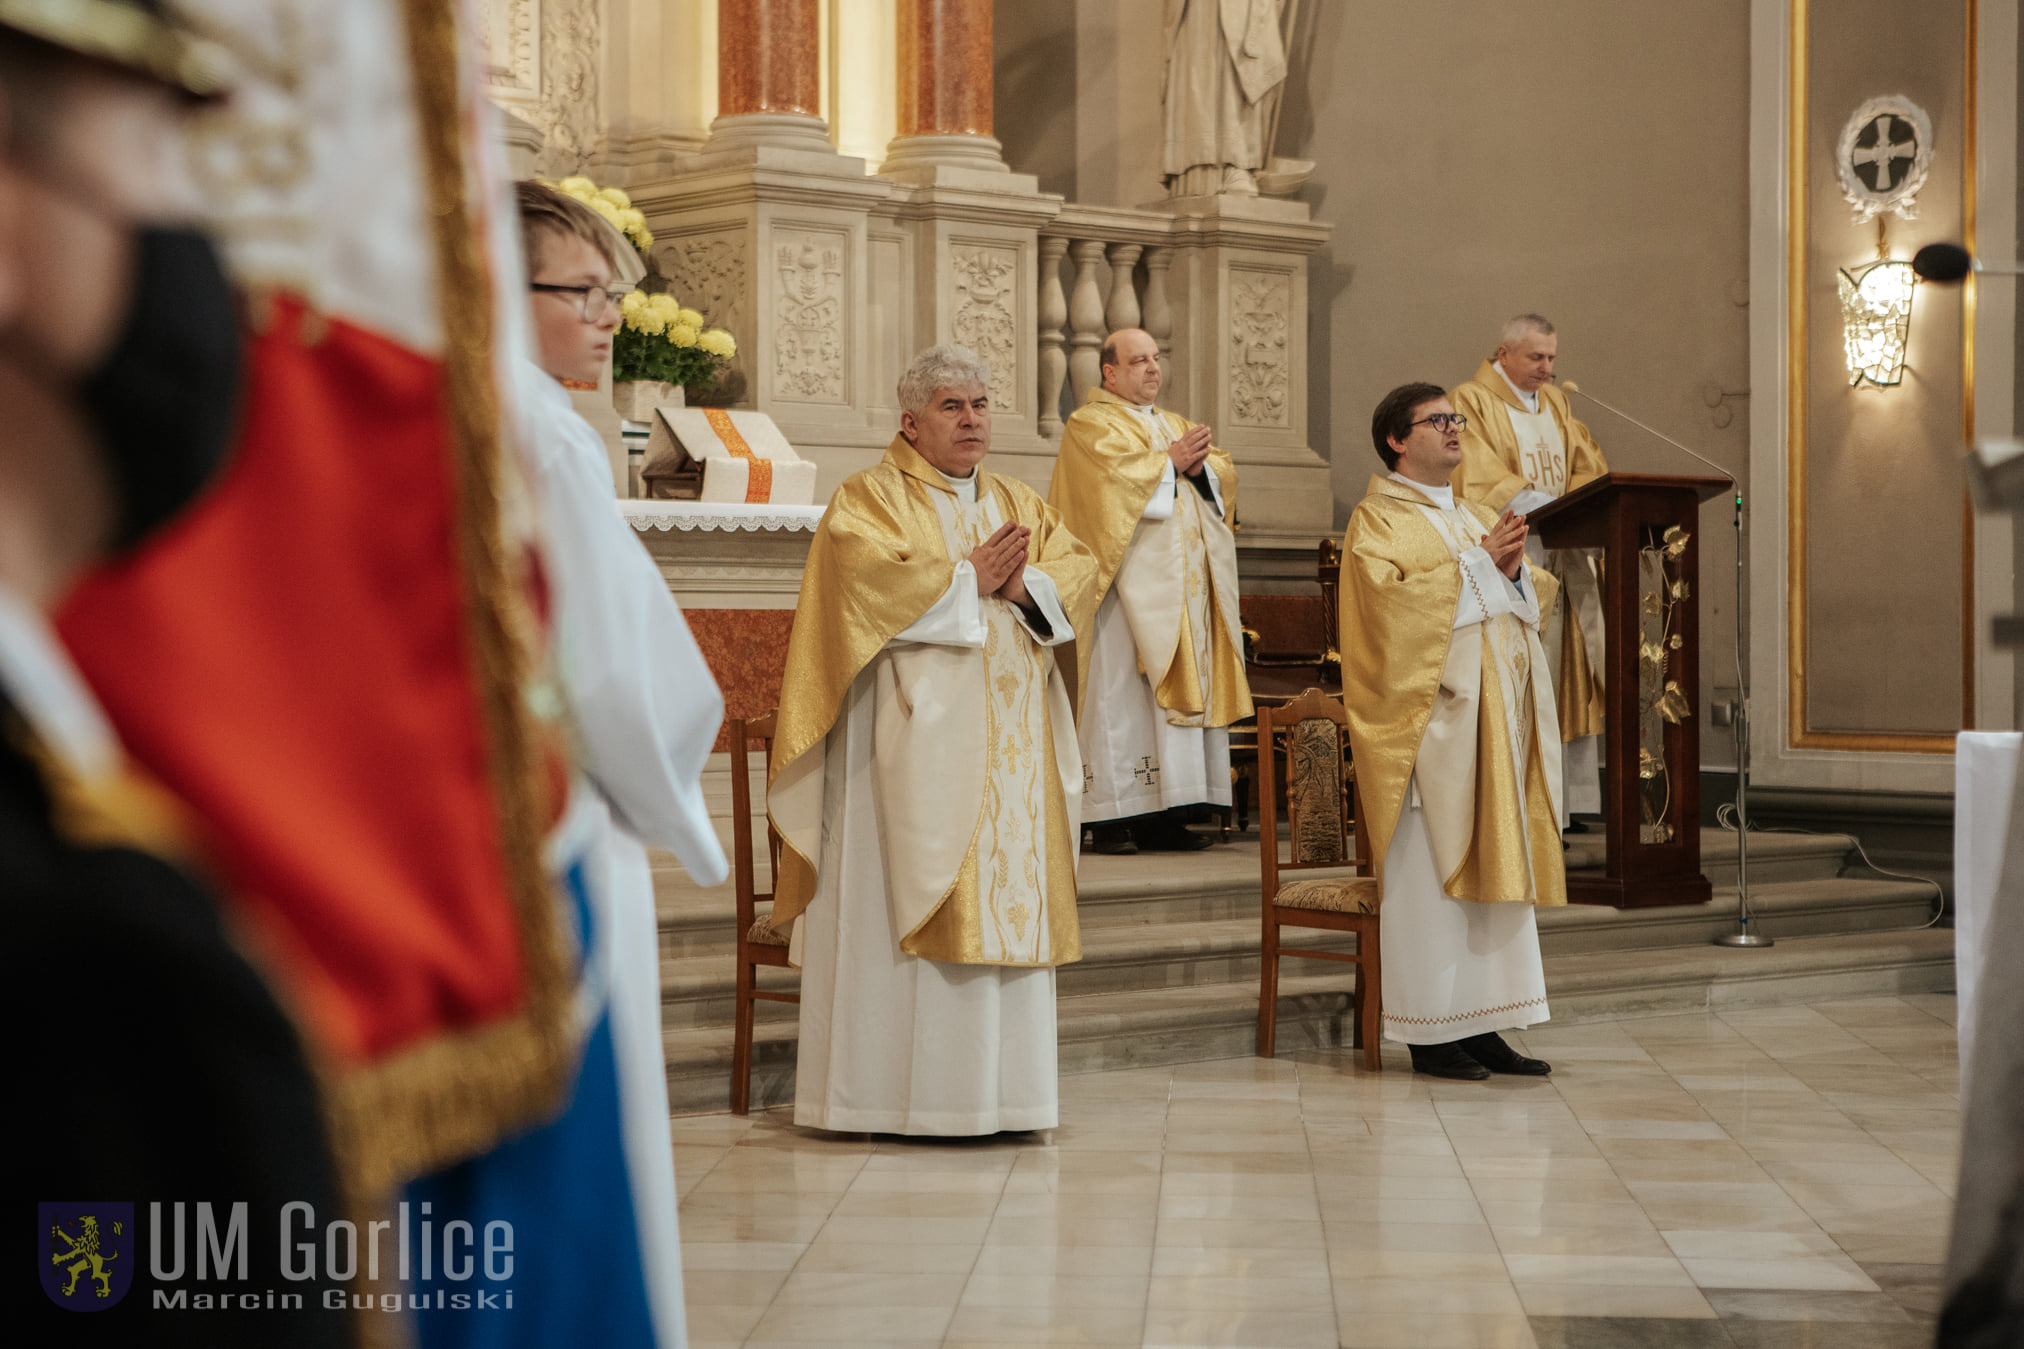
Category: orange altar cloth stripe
[759,485]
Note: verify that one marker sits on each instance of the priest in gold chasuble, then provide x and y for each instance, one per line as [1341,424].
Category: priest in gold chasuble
[1451,721]
[1153,499]
[1523,448]
[925,781]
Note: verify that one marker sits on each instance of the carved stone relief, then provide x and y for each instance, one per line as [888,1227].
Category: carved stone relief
[1261,304]
[542,62]
[985,320]
[513,50]
[708,273]
[808,316]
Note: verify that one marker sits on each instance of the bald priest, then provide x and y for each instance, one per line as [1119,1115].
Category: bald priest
[925,781]
[1451,723]
[1153,499]
[1522,448]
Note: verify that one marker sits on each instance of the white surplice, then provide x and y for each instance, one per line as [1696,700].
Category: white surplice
[1453,967]
[891,1042]
[1542,453]
[645,710]
[1134,760]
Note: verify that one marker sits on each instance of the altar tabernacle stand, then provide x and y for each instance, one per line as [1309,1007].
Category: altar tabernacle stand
[1645,525]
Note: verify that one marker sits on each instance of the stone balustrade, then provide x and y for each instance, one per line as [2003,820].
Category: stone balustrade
[1101,269]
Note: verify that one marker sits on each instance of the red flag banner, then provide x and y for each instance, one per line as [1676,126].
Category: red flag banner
[328,659]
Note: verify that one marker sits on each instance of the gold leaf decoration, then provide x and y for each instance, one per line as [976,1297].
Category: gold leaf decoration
[1652,653]
[1676,642]
[1672,704]
[1649,765]
[1681,590]
[1651,602]
[1676,539]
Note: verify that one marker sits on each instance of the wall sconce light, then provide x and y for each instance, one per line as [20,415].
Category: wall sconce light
[1876,320]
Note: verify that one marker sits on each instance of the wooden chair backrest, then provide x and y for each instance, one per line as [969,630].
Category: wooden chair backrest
[1302,761]
[744,868]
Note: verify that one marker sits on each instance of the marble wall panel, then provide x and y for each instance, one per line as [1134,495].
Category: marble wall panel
[1260,355]
[986,314]
[811,322]
[889,318]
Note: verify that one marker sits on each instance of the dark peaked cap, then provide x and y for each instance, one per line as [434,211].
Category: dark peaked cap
[131,34]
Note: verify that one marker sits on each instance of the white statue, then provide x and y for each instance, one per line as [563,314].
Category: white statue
[1223,57]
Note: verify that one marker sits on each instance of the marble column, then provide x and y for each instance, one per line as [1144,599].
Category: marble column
[769,77]
[944,93]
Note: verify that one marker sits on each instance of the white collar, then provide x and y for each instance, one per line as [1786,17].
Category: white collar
[50,694]
[1442,496]
[546,387]
[1530,400]
[966,488]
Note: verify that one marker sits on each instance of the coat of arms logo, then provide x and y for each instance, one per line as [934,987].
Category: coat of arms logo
[87,1263]
[1883,156]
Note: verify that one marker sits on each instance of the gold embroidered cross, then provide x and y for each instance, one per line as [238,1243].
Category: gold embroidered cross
[1012,754]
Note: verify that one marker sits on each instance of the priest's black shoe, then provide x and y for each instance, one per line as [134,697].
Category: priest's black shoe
[1448,1060]
[1168,832]
[1490,1050]
[1112,839]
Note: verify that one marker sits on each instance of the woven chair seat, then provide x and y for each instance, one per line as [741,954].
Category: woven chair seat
[1348,894]
[762,933]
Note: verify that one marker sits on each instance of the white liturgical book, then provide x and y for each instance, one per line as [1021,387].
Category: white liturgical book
[724,455]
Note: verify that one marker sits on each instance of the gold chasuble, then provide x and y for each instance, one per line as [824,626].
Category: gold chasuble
[1447,712]
[973,761]
[1555,454]
[1176,578]
[1495,466]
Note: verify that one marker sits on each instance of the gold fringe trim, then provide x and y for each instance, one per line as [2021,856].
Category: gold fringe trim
[458,1094]
[1465,1016]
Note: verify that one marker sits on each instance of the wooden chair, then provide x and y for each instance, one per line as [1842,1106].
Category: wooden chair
[758,943]
[1306,628]
[1308,736]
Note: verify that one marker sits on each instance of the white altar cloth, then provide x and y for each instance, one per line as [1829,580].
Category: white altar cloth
[1985,778]
[644,515]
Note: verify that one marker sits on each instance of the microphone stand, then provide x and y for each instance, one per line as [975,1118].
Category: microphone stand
[1745,934]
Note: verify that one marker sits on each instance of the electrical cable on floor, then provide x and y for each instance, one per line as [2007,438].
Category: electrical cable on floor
[1725,817]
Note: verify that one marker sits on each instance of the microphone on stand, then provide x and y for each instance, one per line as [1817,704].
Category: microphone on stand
[1744,935]
[1571,387]
[1950,262]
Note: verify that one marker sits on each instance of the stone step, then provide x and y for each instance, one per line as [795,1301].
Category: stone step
[697,990]
[1146,954]
[1207,1021]
[1858,902]
[1610,984]
[1168,1025]
[1222,883]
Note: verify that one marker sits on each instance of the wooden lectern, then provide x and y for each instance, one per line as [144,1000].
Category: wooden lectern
[1652,824]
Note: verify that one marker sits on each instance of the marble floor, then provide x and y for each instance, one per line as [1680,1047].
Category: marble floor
[1772,1177]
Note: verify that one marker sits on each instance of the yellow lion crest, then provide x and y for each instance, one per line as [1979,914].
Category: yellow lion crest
[84,1254]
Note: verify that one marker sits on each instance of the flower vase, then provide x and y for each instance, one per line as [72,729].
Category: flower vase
[636,399]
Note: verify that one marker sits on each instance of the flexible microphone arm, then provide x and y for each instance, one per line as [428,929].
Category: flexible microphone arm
[1571,387]
[1744,935]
